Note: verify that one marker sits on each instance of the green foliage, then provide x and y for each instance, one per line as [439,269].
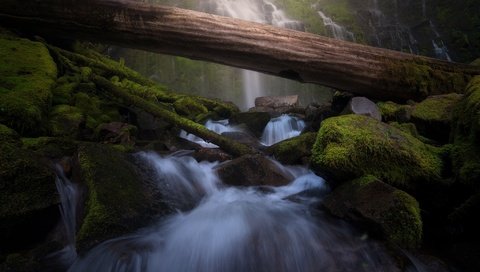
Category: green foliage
[351,146]
[27,74]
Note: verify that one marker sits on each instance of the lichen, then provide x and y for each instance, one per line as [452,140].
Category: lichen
[351,146]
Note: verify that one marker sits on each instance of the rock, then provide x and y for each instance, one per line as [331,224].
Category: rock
[393,112]
[340,101]
[27,73]
[66,120]
[352,146]
[117,133]
[50,147]
[362,106]
[118,200]
[28,196]
[315,114]
[433,116]
[255,121]
[211,155]
[387,211]
[277,101]
[295,150]
[244,138]
[252,170]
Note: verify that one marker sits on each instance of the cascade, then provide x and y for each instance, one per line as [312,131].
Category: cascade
[282,128]
[219,127]
[238,229]
[335,30]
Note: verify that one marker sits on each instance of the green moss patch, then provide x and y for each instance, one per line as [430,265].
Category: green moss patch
[384,210]
[295,150]
[352,146]
[27,74]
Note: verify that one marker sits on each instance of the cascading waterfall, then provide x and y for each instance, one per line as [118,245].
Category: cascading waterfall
[336,31]
[282,128]
[239,229]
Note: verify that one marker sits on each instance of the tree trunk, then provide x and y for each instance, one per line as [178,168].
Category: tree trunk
[364,70]
[230,146]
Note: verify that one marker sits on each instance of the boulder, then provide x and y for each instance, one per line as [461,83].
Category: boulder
[27,73]
[211,155]
[118,200]
[351,146]
[244,138]
[277,101]
[295,150]
[66,120]
[340,101]
[393,112]
[28,195]
[433,116]
[384,210]
[362,106]
[117,133]
[252,170]
[315,114]
[254,121]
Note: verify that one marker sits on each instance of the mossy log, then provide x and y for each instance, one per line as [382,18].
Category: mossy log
[369,71]
[230,146]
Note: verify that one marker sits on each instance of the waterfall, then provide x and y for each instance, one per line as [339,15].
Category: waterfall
[336,31]
[239,229]
[282,128]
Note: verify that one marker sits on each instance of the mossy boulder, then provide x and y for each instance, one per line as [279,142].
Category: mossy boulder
[466,136]
[118,201]
[50,147]
[27,75]
[393,112]
[28,195]
[295,150]
[383,209]
[255,121]
[66,120]
[433,116]
[352,146]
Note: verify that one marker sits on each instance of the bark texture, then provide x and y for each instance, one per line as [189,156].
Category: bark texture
[364,70]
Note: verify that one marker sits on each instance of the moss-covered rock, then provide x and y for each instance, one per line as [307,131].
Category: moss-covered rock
[351,146]
[28,195]
[63,93]
[393,112]
[295,150]
[117,201]
[50,147]
[433,116]
[384,210]
[66,120]
[27,75]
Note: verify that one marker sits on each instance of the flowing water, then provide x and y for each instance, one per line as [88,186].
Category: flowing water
[219,127]
[282,128]
[238,229]
[335,30]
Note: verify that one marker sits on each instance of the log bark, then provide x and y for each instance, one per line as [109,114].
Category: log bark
[228,145]
[364,70]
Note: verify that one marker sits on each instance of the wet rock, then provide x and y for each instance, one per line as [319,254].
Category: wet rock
[211,155]
[277,101]
[254,121]
[295,150]
[350,146]
[384,210]
[252,170]
[315,114]
[362,106]
[433,116]
[116,133]
[244,138]
[340,101]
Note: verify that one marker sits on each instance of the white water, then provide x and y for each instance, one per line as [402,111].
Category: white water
[282,128]
[235,229]
[336,31]
[216,126]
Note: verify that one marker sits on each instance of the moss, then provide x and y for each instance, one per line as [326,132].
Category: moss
[189,107]
[8,135]
[66,120]
[437,108]
[51,147]
[294,150]
[351,146]
[63,93]
[27,74]
[392,111]
[116,202]
[466,136]
[384,210]
[476,62]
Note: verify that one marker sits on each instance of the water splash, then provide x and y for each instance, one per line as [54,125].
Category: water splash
[235,229]
[282,128]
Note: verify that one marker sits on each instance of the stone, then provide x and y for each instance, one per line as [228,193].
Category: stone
[351,146]
[295,150]
[362,106]
[382,209]
[277,101]
[116,133]
[211,155]
[254,121]
[252,170]
[244,138]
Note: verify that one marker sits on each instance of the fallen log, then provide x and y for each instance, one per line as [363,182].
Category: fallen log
[228,145]
[373,72]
